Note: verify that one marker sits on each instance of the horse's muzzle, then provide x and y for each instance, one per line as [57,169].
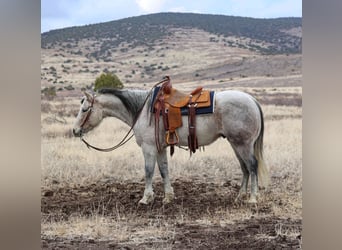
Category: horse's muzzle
[77,132]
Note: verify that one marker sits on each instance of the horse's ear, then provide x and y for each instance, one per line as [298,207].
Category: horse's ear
[88,96]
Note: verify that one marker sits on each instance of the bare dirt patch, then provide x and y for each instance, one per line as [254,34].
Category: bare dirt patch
[198,218]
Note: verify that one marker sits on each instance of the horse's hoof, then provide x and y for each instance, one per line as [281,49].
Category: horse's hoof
[168,198]
[147,199]
[240,196]
[143,202]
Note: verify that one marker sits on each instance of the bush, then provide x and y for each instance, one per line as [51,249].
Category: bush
[108,80]
[69,87]
[49,93]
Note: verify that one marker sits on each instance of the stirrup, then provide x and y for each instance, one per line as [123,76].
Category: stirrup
[171,138]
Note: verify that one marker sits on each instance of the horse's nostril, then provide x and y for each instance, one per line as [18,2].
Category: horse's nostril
[77,132]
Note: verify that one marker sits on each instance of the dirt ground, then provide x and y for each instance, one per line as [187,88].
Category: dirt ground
[195,200]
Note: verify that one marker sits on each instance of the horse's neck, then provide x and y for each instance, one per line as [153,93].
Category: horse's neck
[113,107]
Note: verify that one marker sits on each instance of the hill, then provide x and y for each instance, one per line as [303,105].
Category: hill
[184,45]
[275,34]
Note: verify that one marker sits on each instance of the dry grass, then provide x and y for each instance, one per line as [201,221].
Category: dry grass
[105,228]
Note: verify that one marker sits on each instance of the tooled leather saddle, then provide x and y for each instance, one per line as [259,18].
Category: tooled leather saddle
[169,103]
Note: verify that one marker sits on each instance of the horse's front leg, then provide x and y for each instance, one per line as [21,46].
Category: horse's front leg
[150,162]
[164,172]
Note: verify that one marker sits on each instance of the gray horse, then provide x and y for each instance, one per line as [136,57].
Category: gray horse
[237,116]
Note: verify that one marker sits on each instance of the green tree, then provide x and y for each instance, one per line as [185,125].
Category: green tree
[108,80]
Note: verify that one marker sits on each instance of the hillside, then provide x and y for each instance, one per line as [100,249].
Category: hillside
[269,36]
[187,47]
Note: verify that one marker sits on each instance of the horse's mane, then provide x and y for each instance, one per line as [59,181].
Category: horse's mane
[131,99]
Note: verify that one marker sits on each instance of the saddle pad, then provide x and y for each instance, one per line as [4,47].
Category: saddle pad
[184,110]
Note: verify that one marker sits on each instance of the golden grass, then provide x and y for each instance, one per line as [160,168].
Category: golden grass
[96,227]
[104,228]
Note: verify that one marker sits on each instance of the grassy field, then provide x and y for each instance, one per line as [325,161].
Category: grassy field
[90,197]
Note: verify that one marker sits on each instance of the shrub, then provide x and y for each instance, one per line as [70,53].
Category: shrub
[53,69]
[69,87]
[49,93]
[107,80]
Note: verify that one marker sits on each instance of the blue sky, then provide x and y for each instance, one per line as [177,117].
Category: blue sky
[65,13]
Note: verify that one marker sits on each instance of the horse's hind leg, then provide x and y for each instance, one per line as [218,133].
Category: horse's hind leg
[150,162]
[245,177]
[164,172]
[246,155]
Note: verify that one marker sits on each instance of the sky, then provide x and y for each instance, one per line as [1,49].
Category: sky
[57,14]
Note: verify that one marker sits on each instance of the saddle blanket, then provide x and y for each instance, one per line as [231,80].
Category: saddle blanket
[184,110]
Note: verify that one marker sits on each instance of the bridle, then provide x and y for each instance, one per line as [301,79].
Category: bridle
[122,142]
[127,137]
[89,112]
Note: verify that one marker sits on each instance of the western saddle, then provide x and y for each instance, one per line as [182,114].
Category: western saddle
[168,103]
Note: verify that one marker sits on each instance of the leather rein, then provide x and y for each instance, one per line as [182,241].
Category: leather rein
[127,137]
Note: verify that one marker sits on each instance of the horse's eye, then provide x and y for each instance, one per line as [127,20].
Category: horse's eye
[82,100]
[85,109]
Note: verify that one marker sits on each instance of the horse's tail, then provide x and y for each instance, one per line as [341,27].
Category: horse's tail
[263,175]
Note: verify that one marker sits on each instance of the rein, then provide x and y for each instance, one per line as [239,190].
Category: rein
[127,137]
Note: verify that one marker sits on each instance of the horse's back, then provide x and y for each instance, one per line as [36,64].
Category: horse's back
[236,101]
[234,96]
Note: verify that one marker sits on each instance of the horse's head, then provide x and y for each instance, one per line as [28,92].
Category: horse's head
[89,116]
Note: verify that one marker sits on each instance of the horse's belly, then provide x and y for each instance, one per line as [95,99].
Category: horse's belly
[207,130]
